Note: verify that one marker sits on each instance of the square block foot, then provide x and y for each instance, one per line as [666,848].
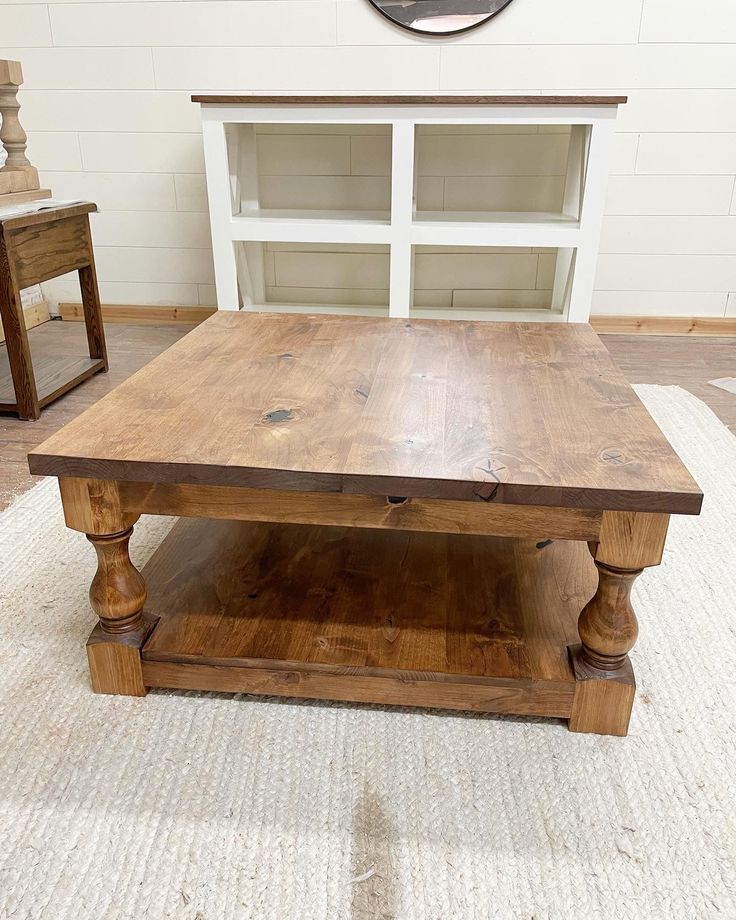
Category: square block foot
[115,661]
[603,701]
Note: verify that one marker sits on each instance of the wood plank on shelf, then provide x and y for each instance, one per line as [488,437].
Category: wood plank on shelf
[369,615]
[55,374]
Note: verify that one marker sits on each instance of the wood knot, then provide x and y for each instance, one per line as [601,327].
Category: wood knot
[489,474]
[278,415]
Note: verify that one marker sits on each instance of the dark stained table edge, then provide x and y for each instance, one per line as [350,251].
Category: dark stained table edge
[306,481]
[225,99]
[30,218]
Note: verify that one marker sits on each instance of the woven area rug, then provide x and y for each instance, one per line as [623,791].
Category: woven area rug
[215,807]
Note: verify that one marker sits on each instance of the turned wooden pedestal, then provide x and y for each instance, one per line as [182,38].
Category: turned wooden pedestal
[420,513]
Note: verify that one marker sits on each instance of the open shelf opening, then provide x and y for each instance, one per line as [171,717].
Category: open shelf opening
[331,277]
[311,172]
[478,281]
[493,173]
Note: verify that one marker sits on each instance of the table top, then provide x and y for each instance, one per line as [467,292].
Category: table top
[46,215]
[395,99]
[520,413]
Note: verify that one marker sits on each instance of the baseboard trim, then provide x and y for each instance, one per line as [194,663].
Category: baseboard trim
[604,324]
[664,325]
[34,315]
[140,313]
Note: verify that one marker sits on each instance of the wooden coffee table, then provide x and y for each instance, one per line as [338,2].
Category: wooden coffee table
[375,510]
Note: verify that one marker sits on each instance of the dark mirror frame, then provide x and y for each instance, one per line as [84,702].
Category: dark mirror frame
[407,28]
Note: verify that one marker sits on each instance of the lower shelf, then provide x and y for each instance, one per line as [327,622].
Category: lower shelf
[54,374]
[449,621]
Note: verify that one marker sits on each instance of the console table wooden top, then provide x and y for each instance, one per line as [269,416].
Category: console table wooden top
[284,99]
[515,413]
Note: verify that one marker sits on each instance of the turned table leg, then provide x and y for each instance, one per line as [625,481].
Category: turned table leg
[118,590]
[605,688]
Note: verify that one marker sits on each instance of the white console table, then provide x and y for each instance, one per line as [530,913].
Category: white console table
[241,226]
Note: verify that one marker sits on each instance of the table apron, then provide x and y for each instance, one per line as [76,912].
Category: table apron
[349,510]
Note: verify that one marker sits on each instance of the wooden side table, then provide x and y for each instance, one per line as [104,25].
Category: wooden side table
[33,248]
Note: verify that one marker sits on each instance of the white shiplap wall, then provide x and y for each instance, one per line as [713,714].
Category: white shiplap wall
[106,103]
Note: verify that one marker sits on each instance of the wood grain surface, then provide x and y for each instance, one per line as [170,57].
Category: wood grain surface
[34,248]
[53,377]
[339,509]
[285,99]
[447,620]
[516,413]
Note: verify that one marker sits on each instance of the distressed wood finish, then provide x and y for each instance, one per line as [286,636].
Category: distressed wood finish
[433,450]
[372,511]
[18,177]
[118,591]
[34,248]
[511,413]
[607,626]
[52,377]
[449,621]
[115,666]
[285,99]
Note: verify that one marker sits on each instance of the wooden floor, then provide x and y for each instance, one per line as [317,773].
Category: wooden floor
[689,362]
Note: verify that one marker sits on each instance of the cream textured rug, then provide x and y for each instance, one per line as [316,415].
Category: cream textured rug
[206,807]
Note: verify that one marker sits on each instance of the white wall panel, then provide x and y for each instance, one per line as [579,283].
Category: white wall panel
[150,153]
[662,235]
[213,22]
[669,194]
[696,154]
[653,110]
[191,193]
[499,155]
[83,68]
[118,191]
[663,303]
[106,104]
[55,150]
[118,263]
[304,69]
[686,21]
[95,110]
[665,273]
[154,229]
[628,67]
[623,154]
[22,26]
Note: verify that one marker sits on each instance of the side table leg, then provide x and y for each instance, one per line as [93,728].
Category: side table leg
[605,688]
[91,305]
[16,338]
[118,590]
